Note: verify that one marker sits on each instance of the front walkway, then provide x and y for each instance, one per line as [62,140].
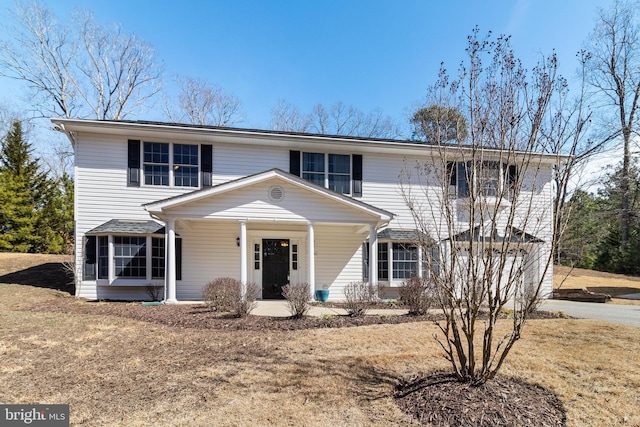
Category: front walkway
[278,308]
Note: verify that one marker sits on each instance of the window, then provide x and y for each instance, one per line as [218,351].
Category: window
[405,260]
[313,167]
[103,257]
[383,261]
[160,168]
[156,163]
[157,258]
[294,257]
[328,170]
[488,176]
[185,165]
[130,257]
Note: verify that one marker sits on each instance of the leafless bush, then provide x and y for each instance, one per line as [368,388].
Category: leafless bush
[224,294]
[243,306]
[417,294]
[154,290]
[297,297]
[359,297]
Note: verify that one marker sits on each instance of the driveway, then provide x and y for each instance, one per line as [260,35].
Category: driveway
[616,313]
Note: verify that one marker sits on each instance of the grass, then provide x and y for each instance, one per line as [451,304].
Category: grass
[597,281]
[116,371]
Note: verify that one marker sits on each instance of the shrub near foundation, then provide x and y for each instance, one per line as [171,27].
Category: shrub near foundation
[224,294]
[417,295]
[297,296]
[359,297]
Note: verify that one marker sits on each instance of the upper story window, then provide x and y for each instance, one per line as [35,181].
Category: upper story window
[487,177]
[166,163]
[333,171]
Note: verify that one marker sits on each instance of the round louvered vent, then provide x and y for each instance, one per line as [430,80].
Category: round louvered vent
[276,193]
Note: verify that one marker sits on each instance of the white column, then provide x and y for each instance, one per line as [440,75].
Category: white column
[243,255]
[170,262]
[373,255]
[312,258]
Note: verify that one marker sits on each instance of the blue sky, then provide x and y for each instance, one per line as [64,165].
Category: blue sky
[368,53]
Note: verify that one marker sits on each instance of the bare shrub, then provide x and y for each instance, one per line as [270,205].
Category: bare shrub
[359,297]
[417,294]
[224,294]
[244,305]
[297,296]
[154,290]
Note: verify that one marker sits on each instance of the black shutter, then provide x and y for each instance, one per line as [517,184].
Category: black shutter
[207,165]
[512,175]
[356,165]
[178,258]
[463,177]
[451,173]
[133,164]
[294,162]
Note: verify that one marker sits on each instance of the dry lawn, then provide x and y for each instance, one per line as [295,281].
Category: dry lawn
[115,371]
[597,281]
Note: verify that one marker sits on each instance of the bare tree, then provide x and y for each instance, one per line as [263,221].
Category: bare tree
[484,208]
[286,117]
[339,119]
[615,75]
[203,103]
[117,71]
[79,70]
[41,53]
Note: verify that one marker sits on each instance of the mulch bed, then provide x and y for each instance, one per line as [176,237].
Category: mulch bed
[441,400]
[199,317]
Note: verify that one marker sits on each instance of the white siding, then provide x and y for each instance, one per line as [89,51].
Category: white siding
[209,249]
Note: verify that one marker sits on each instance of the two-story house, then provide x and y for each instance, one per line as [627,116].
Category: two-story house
[179,205]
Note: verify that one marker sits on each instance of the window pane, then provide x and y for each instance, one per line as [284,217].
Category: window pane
[156,152]
[130,256]
[383,261]
[313,162]
[340,173]
[316,178]
[405,261]
[489,178]
[103,257]
[157,258]
[185,154]
[339,163]
[184,176]
[340,183]
[156,175]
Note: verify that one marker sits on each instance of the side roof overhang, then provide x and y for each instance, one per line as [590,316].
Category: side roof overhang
[182,203]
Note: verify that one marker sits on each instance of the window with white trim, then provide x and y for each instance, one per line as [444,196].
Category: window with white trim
[130,258]
[398,261]
[332,171]
[487,177]
[168,164]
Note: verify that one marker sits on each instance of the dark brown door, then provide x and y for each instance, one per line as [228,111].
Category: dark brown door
[275,267]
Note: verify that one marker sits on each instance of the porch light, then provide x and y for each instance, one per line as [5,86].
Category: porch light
[238,241]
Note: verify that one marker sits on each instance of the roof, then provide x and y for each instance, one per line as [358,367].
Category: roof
[398,234]
[515,236]
[123,226]
[205,132]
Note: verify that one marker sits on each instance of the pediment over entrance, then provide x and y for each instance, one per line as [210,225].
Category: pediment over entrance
[273,195]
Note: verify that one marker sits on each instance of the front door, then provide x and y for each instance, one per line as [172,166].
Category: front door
[275,267]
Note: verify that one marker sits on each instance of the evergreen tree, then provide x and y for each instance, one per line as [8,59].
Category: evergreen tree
[23,188]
